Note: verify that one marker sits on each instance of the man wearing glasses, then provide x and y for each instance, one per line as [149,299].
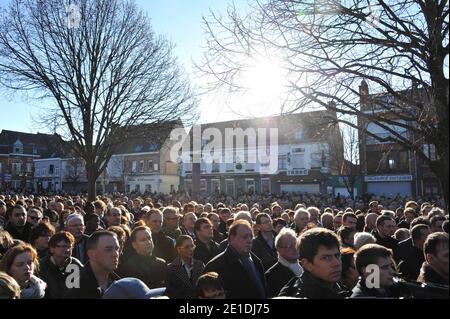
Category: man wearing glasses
[54,269]
[34,216]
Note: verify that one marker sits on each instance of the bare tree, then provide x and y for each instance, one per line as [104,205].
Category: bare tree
[74,172]
[99,67]
[344,158]
[330,47]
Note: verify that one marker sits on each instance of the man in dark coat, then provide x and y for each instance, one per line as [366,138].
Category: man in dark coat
[413,259]
[239,269]
[17,225]
[205,248]
[164,246]
[75,226]
[264,243]
[435,268]
[138,260]
[98,274]
[319,254]
[385,230]
[287,265]
[55,268]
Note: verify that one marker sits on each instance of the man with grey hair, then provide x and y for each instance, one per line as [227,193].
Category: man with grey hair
[301,219]
[314,215]
[287,265]
[239,215]
[113,216]
[363,238]
[75,226]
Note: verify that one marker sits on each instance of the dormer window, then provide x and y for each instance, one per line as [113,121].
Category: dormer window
[18,147]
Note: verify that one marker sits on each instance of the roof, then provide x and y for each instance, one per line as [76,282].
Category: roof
[45,145]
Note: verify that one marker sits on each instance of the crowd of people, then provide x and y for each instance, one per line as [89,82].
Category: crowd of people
[217,246]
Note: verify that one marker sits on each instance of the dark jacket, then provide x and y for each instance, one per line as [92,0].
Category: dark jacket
[410,266]
[361,291]
[55,277]
[403,250]
[403,224]
[218,236]
[185,232]
[223,245]
[22,233]
[164,247]
[237,282]
[178,283]
[223,228]
[310,287]
[260,248]
[80,250]
[89,287]
[429,275]
[277,277]
[202,253]
[173,233]
[150,269]
[388,242]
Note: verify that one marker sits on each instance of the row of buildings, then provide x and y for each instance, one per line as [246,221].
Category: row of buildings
[304,161]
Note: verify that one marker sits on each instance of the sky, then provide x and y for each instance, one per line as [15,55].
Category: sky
[180,21]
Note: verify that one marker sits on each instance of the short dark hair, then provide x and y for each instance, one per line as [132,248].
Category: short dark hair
[369,254]
[181,239]
[95,237]
[279,221]
[347,215]
[381,219]
[346,258]
[344,232]
[433,241]
[416,231]
[61,236]
[419,220]
[208,281]
[136,230]
[39,229]
[260,216]
[199,222]
[312,239]
[437,218]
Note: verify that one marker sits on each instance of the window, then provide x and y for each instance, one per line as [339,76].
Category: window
[282,162]
[51,169]
[298,135]
[18,147]
[37,172]
[0,167]
[29,167]
[150,165]
[298,161]
[141,166]
[133,167]
[44,171]
[250,185]
[203,186]
[155,167]
[316,160]
[57,171]
[388,162]
[148,188]
[265,186]
[391,163]
[137,188]
[215,185]
[16,168]
[430,151]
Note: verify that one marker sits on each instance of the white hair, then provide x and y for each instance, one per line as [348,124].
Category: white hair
[363,238]
[74,216]
[284,232]
[301,211]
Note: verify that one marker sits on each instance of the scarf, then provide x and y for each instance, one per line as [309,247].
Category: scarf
[295,267]
[35,290]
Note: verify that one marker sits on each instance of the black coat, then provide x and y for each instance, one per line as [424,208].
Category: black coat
[277,277]
[403,250]
[178,283]
[23,234]
[218,236]
[388,242]
[150,269]
[164,247]
[310,287]
[55,277]
[430,276]
[268,256]
[361,291]
[236,281]
[202,253]
[80,250]
[89,287]
[410,266]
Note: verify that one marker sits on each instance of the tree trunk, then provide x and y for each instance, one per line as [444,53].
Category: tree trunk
[442,175]
[91,181]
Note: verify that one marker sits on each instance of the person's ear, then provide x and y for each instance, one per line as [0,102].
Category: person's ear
[308,265]
[429,258]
